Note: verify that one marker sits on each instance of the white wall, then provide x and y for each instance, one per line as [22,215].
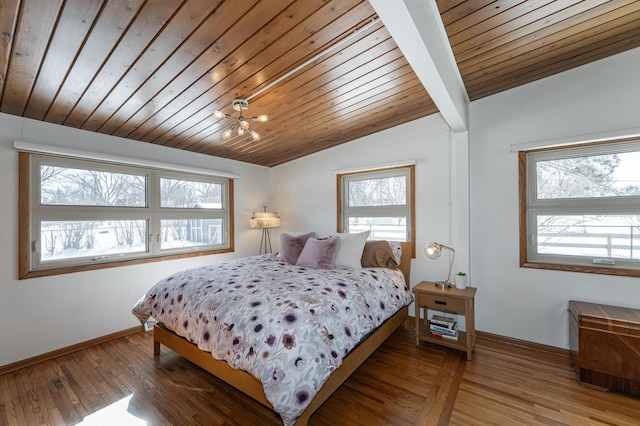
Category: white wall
[305,190]
[40,315]
[524,303]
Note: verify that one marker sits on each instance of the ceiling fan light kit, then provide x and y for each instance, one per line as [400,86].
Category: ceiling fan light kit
[242,123]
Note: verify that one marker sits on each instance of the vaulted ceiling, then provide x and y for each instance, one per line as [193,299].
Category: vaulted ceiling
[325,72]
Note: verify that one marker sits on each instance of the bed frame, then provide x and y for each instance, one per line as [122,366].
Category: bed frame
[251,386]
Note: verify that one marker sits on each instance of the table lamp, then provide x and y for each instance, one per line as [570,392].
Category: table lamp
[433,251]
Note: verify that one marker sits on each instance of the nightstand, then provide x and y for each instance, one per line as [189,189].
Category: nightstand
[452,300]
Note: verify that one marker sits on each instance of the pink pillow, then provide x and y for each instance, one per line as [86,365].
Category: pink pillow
[291,246]
[319,254]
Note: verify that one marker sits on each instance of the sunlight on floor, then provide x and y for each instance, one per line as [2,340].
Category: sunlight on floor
[114,414]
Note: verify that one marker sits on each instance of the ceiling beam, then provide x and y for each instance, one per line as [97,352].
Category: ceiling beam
[417,29]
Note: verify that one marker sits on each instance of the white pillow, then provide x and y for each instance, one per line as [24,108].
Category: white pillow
[397,250]
[350,250]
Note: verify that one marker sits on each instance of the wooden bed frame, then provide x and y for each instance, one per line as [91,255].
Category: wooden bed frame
[251,386]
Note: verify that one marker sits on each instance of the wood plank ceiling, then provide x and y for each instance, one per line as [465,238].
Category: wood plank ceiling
[502,44]
[156,70]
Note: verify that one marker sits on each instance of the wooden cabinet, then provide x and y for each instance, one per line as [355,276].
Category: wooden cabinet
[452,300]
[605,346]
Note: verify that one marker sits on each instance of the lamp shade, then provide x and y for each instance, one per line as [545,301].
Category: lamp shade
[265,219]
[433,251]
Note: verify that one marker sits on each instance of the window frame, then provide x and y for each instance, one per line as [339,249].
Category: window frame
[342,197]
[30,211]
[530,208]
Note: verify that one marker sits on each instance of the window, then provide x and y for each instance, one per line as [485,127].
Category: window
[581,208]
[89,215]
[379,201]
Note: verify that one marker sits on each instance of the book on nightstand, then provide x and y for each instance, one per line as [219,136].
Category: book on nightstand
[444,322]
[445,336]
[443,327]
[442,330]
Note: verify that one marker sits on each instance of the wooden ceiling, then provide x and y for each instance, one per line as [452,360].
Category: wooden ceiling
[325,72]
[502,44]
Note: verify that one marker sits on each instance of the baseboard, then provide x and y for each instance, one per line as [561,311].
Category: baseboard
[496,338]
[67,350]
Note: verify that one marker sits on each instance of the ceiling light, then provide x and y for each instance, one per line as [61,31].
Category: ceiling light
[241,123]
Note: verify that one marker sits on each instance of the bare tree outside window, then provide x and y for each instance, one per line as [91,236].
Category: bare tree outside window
[76,239]
[67,186]
[129,233]
[378,192]
[588,176]
[378,202]
[177,193]
[584,207]
[85,213]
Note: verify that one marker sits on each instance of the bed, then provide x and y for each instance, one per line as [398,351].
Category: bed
[284,344]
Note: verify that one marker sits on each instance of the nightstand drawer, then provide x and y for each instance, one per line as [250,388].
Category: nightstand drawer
[441,303]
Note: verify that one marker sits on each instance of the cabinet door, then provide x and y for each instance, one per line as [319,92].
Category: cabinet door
[610,353]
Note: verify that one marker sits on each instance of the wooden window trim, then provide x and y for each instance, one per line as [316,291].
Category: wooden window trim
[523,234]
[412,194]
[24,243]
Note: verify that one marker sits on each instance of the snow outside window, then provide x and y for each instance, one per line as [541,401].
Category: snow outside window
[88,212]
[378,201]
[583,206]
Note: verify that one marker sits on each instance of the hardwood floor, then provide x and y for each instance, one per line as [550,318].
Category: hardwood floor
[120,383]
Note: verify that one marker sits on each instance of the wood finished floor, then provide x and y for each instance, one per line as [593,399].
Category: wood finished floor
[400,384]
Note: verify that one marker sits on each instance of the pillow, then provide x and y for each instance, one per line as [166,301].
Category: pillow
[378,254]
[350,250]
[397,250]
[319,254]
[291,246]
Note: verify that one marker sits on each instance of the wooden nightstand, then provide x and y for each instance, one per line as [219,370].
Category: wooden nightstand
[451,300]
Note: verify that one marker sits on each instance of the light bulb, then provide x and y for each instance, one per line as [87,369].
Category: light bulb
[219,114]
[255,135]
[240,131]
[262,118]
[227,133]
[243,123]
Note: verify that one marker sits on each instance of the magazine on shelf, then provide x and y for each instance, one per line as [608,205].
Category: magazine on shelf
[454,327]
[443,318]
[442,330]
[445,322]
[436,329]
[445,336]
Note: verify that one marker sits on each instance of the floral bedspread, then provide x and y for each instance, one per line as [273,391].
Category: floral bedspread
[288,326]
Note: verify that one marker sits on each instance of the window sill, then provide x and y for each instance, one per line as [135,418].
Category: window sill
[82,268]
[582,269]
